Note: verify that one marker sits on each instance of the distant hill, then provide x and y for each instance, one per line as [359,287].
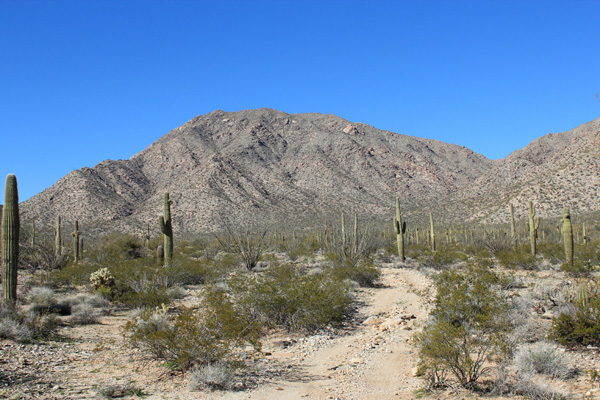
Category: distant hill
[554,171]
[263,166]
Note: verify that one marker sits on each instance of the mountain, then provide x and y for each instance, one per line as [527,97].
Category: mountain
[554,171]
[261,166]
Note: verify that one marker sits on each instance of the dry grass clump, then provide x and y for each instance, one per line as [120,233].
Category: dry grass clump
[213,376]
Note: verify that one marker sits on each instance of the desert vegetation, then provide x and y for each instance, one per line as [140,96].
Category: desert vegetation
[509,309]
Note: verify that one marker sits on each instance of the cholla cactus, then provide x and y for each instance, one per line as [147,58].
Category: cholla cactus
[102,279]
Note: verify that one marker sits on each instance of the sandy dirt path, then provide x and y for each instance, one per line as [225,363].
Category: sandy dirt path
[373,360]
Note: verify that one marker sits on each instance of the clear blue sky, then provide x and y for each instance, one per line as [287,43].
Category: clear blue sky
[83,81]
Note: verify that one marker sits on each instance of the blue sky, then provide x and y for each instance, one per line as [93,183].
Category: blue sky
[84,81]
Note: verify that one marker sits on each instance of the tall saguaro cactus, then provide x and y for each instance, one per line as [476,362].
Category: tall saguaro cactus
[513,227]
[534,224]
[166,227]
[76,248]
[568,236]
[400,229]
[10,239]
[431,232]
[58,238]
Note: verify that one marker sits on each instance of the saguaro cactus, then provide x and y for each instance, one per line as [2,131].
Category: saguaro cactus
[147,238]
[10,239]
[534,224]
[400,229]
[431,232]
[160,255]
[513,227]
[58,238]
[568,236]
[75,235]
[166,227]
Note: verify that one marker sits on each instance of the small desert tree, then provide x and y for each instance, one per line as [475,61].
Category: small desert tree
[247,244]
[467,327]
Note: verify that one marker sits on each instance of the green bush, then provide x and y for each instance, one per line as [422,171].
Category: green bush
[580,326]
[467,328]
[442,258]
[284,296]
[365,274]
[516,259]
[553,252]
[192,337]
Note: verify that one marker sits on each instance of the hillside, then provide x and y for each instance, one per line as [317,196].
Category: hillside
[261,166]
[554,171]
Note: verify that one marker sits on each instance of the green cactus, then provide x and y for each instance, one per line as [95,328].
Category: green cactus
[75,235]
[160,255]
[58,238]
[534,224]
[147,238]
[400,229]
[10,239]
[568,236]
[166,227]
[513,227]
[431,233]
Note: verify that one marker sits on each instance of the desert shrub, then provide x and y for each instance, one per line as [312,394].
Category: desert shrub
[69,275]
[525,327]
[442,258]
[516,259]
[44,302]
[12,325]
[365,274]
[542,358]
[579,268]
[353,246]
[467,328]
[553,252]
[119,390]
[85,314]
[246,244]
[580,324]
[192,337]
[213,376]
[286,297]
[536,389]
[114,248]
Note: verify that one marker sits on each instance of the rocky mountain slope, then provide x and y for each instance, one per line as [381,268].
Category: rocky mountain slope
[261,166]
[554,171]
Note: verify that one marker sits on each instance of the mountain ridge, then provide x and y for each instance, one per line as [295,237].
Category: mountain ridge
[267,166]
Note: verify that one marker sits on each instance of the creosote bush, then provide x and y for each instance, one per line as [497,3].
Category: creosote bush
[467,329]
[579,324]
[516,259]
[285,296]
[190,337]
